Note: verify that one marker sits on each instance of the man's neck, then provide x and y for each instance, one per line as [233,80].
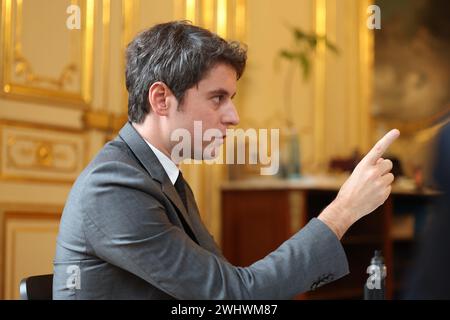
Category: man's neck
[151,133]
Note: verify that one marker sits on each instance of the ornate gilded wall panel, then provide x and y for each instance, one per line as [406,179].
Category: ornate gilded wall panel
[44,155]
[43,58]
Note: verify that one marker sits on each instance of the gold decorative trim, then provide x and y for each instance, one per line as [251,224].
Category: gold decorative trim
[191,10]
[43,151]
[104,121]
[241,13]
[88,53]
[227,18]
[106,17]
[222,18]
[320,26]
[366,62]
[29,125]
[12,56]
[129,7]
[325,12]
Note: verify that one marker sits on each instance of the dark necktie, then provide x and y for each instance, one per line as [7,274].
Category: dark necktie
[180,186]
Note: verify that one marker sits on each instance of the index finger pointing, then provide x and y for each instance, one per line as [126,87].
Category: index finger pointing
[381,146]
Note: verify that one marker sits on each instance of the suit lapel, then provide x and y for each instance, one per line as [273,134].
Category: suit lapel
[151,163]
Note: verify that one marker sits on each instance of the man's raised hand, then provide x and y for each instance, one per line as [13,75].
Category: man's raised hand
[366,189]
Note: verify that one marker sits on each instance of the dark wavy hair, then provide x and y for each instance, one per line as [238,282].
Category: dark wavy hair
[178,54]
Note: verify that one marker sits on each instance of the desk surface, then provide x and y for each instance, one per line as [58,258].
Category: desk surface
[325,183]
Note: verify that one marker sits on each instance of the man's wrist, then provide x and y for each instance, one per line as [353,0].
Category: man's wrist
[335,217]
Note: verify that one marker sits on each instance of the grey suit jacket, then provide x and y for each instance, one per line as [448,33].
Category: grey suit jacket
[120,237]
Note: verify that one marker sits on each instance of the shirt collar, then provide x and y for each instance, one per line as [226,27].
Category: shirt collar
[169,166]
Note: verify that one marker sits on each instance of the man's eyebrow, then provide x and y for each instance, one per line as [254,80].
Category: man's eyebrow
[221,91]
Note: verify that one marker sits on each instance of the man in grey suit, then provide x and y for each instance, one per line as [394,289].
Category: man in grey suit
[131,228]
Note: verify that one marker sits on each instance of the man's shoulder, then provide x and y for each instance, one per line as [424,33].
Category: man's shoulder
[114,162]
[113,171]
[115,151]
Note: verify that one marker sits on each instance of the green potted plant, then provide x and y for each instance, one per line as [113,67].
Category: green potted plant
[299,54]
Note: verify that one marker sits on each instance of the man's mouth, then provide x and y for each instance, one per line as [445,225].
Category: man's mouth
[219,140]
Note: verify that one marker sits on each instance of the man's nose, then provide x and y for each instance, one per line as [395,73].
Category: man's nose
[231,117]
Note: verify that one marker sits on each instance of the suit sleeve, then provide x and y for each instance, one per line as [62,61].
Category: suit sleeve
[128,227]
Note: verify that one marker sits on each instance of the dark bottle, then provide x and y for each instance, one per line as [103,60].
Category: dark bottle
[375,286]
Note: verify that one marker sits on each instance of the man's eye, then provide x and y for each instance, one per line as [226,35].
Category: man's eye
[218,99]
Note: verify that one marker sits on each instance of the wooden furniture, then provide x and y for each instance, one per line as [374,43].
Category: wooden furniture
[259,215]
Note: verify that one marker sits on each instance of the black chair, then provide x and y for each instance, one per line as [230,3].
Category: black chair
[37,287]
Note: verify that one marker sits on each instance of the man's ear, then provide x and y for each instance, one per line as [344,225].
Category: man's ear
[158,95]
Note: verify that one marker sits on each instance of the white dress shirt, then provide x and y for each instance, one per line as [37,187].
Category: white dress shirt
[169,166]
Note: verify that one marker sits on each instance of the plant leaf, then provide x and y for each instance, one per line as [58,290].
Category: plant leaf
[286,54]
[298,34]
[304,64]
[331,46]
